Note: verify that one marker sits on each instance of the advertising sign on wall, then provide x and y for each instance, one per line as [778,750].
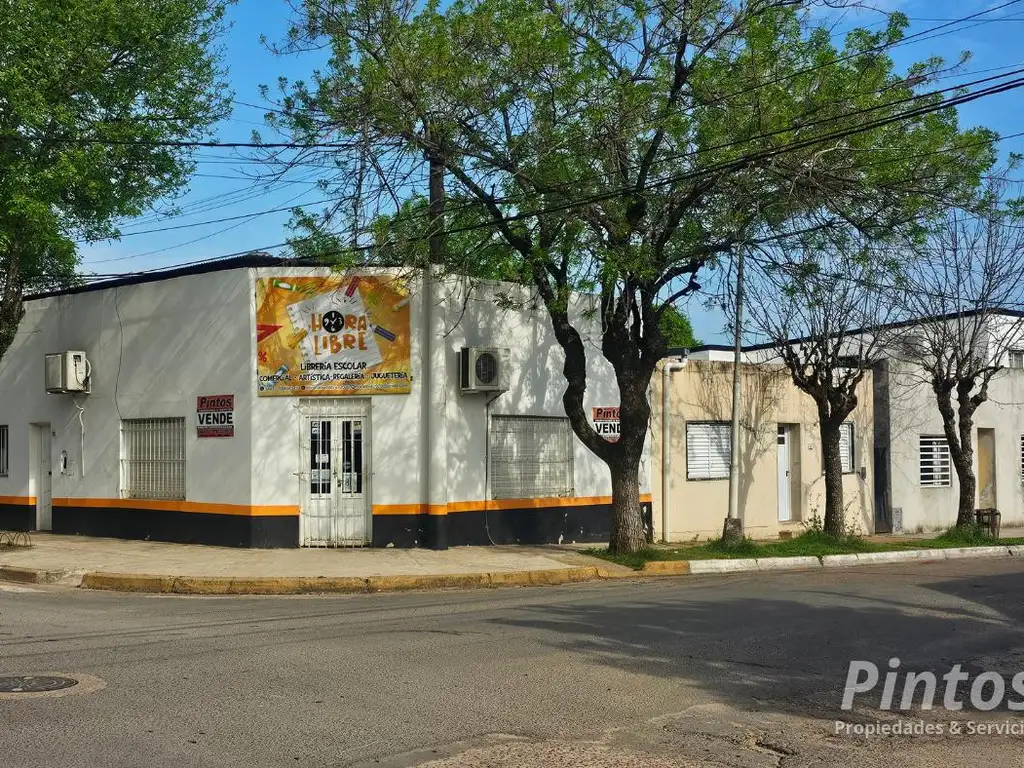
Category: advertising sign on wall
[606,422]
[215,416]
[338,335]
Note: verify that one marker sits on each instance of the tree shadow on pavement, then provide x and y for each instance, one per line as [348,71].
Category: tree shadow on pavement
[791,654]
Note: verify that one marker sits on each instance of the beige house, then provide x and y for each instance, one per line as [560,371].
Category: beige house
[781,483]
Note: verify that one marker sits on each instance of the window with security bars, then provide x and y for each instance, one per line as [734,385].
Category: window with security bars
[153,458]
[1016,358]
[936,471]
[5,444]
[530,457]
[846,446]
[1022,459]
[708,450]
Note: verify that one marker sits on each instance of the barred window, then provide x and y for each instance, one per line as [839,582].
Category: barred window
[1022,458]
[153,458]
[934,461]
[846,446]
[5,446]
[530,457]
[708,450]
[1016,358]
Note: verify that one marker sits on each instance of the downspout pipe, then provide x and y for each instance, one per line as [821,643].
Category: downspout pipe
[667,369]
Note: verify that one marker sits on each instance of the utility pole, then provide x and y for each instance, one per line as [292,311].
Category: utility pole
[435,438]
[733,529]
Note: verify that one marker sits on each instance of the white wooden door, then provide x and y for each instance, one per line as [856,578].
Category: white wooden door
[335,480]
[44,486]
[785,485]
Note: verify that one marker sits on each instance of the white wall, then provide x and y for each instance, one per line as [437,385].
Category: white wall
[536,387]
[395,425]
[159,345]
[153,348]
[914,413]
[537,382]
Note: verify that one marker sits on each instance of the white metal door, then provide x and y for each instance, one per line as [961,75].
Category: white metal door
[44,487]
[335,459]
[785,488]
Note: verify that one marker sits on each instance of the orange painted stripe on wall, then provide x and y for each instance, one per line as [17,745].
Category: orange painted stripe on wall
[199,507]
[28,501]
[475,506]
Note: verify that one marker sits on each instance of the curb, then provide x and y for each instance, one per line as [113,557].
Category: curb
[747,565]
[306,585]
[197,585]
[38,576]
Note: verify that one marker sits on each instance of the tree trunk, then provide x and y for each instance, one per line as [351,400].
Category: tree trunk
[968,487]
[958,426]
[622,457]
[832,465]
[962,456]
[628,534]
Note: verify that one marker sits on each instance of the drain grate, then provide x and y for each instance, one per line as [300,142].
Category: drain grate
[40,684]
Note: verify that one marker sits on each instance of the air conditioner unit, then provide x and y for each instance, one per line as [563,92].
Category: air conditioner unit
[483,370]
[67,372]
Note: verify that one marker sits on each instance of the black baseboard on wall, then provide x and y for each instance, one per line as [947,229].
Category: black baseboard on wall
[584,523]
[17,517]
[261,532]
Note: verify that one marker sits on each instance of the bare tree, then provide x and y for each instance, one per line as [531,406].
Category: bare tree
[966,284]
[825,317]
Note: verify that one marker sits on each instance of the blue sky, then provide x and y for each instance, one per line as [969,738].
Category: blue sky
[996,43]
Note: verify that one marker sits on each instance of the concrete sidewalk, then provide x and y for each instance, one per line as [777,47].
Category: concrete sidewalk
[159,567]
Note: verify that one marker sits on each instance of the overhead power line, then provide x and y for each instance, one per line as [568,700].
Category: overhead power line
[916,37]
[669,157]
[701,173]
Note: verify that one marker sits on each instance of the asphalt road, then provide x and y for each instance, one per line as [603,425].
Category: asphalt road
[743,671]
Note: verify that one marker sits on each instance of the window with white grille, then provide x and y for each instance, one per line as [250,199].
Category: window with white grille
[5,444]
[846,446]
[934,461]
[708,450]
[153,458]
[530,457]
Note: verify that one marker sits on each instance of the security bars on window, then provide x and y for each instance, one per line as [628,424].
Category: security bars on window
[846,446]
[4,450]
[153,459]
[708,450]
[1022,459]
[530,457]
[934,461]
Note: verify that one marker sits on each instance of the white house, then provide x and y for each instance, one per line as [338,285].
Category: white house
[913,483]
[254,402]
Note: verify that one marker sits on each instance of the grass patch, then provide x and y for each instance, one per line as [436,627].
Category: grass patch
[634,560]
[966,536]
[813,543]
[731,548]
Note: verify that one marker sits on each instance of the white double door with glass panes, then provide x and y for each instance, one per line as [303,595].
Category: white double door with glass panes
[335,479]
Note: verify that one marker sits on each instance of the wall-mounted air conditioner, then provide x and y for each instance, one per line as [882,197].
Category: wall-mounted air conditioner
[67,372]
[483,370]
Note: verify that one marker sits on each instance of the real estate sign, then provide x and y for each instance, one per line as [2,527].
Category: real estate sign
[606,422]
[215,416]
[337,335]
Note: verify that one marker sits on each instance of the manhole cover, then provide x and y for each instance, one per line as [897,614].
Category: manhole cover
[40,684]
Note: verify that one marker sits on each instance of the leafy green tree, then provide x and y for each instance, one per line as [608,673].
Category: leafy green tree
[96,98]
[676,328]
[623,149]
